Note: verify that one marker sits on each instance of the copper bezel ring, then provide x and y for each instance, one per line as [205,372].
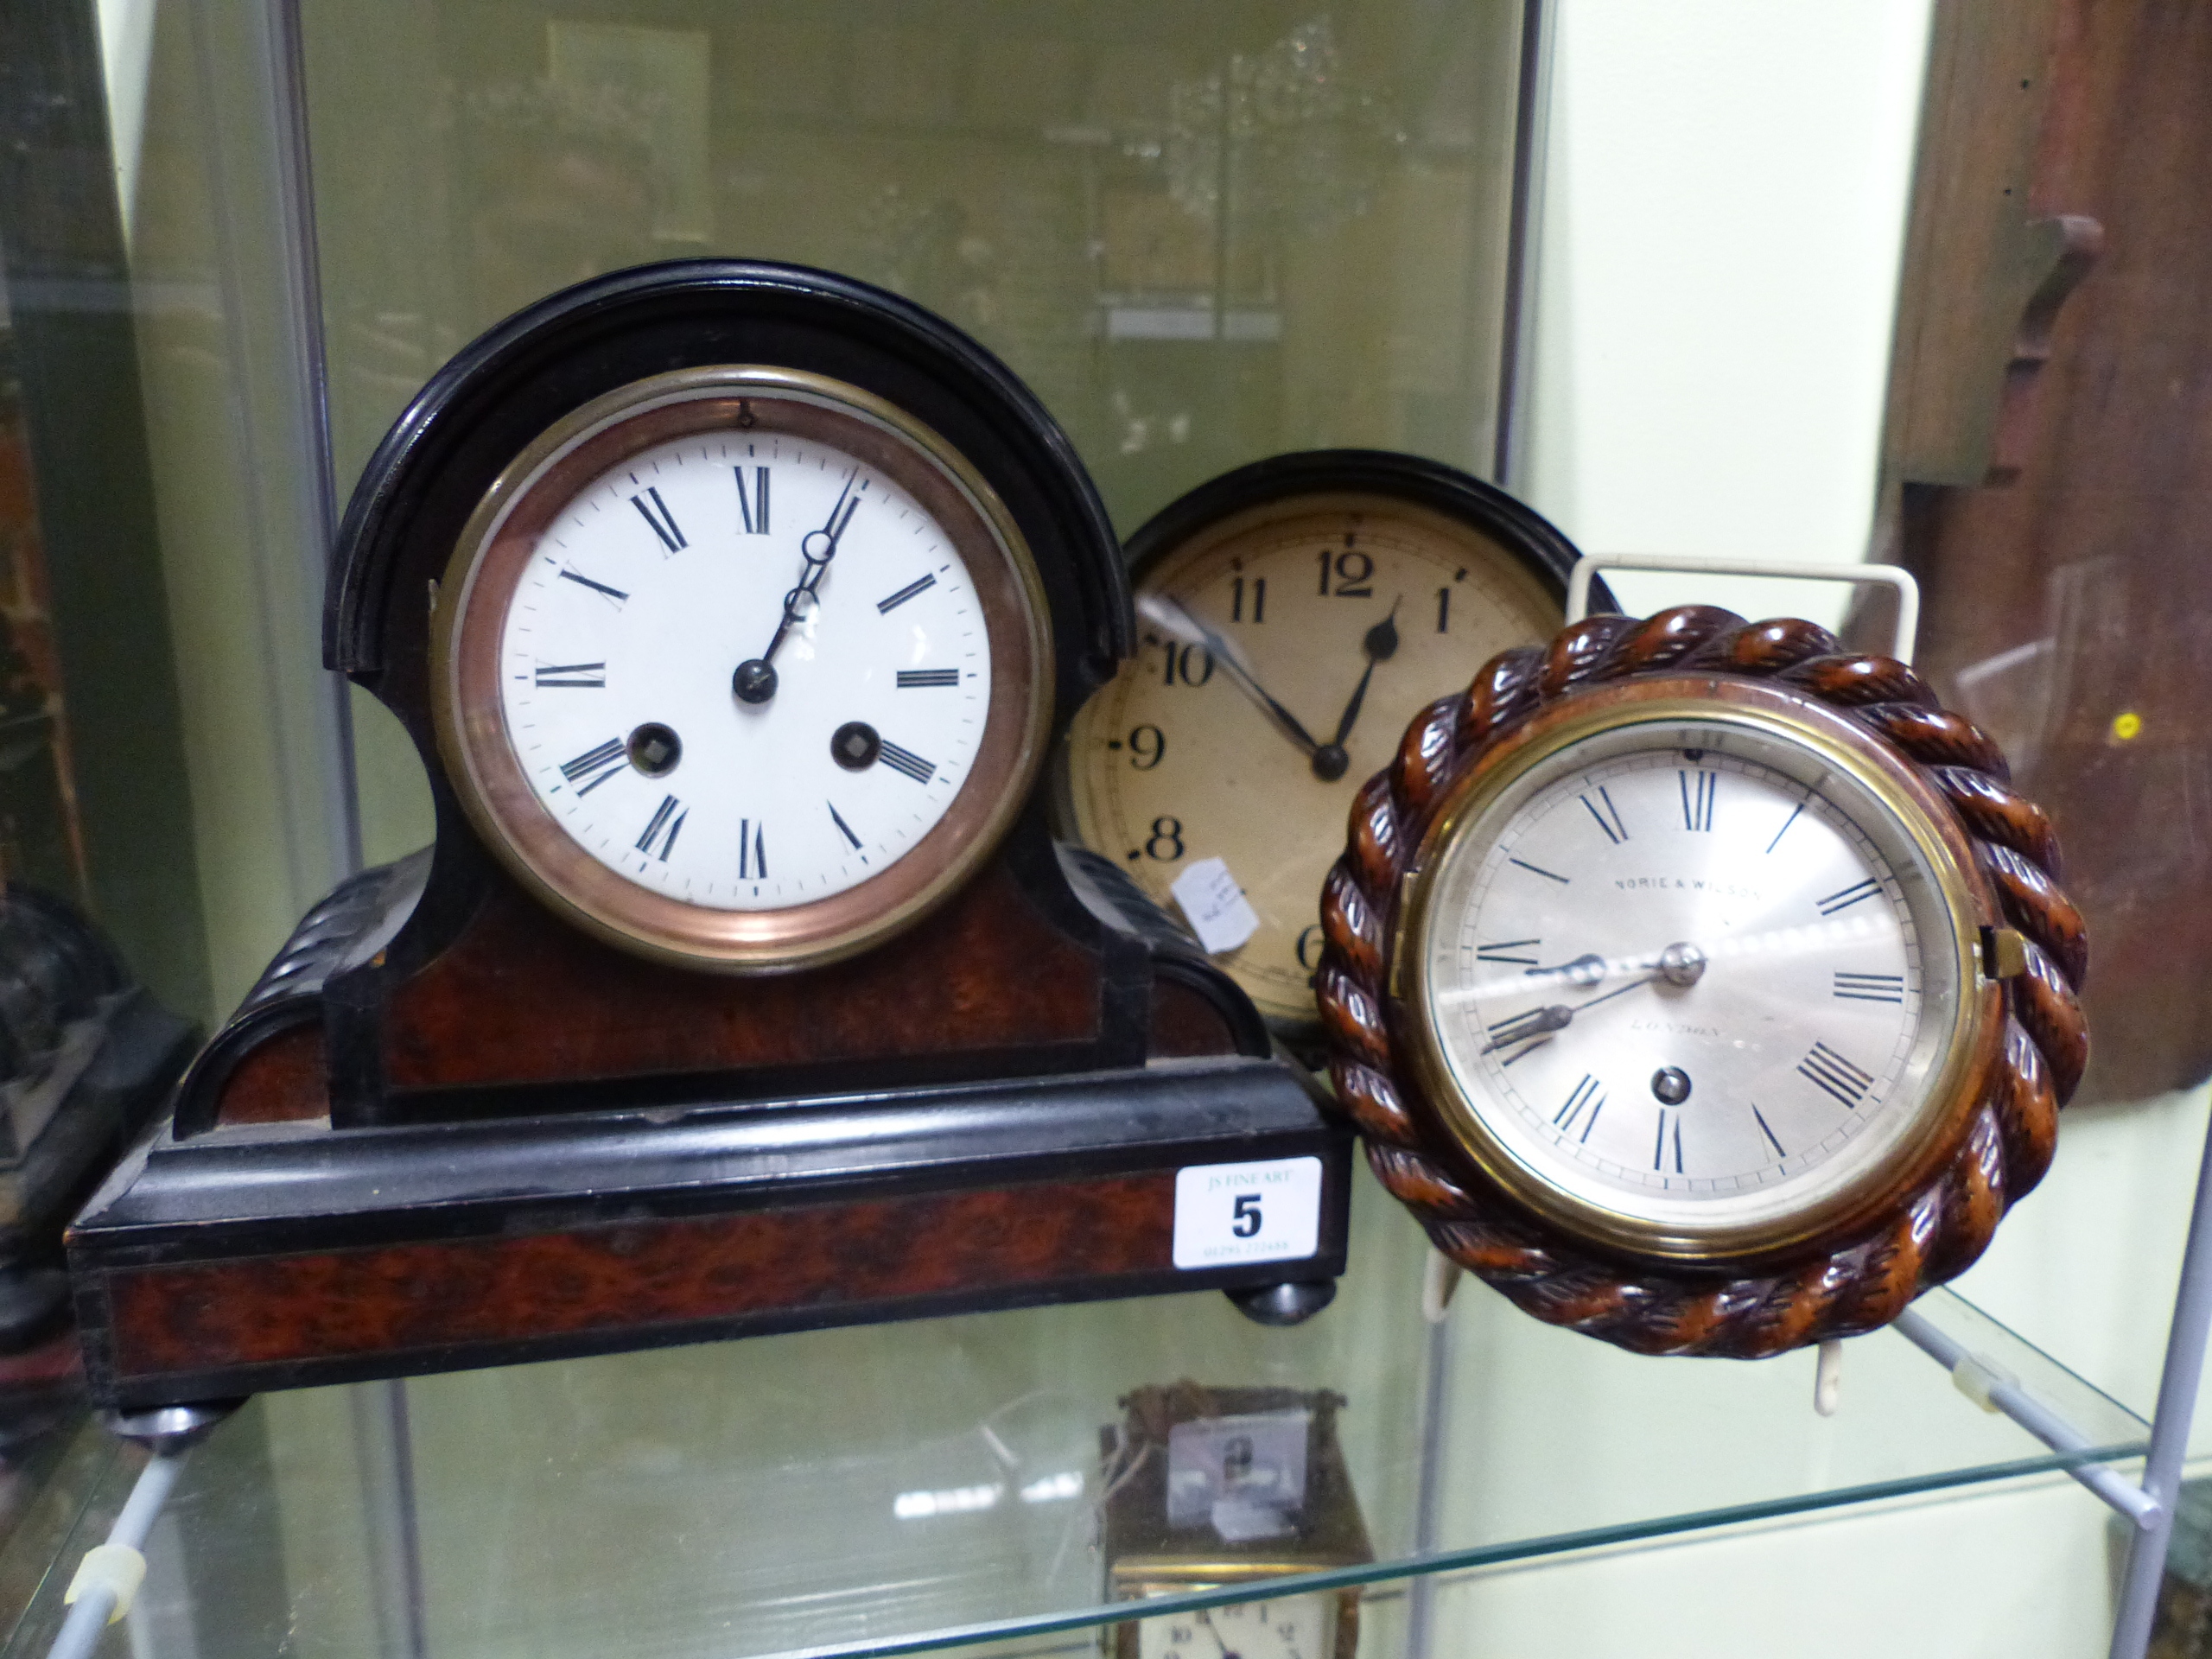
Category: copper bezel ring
[495,548]
[1989,1146]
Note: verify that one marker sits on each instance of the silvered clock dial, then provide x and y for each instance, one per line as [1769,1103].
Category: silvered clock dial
[1291,616]
[1689,976]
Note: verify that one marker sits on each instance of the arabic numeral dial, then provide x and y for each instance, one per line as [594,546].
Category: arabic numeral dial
[1281,1627]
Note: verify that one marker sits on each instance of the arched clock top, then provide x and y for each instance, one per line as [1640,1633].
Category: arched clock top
[486,406]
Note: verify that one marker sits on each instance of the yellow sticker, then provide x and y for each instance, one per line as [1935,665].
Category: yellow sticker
[2126,725]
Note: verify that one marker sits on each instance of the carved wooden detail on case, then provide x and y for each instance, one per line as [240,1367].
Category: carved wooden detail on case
[2067,612]
[1937,1230]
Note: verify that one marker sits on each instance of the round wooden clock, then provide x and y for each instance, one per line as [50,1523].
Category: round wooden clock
[1700,986]
[1291,614]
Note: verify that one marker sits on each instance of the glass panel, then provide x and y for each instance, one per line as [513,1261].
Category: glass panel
[171,749]
[941,1482]
[93,801]
[1203,235]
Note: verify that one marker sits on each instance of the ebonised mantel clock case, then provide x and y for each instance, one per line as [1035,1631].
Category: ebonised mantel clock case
[734,608]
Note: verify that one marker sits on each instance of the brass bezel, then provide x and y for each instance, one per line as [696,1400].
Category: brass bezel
[1967,901]
[494,547]
[1138,1577]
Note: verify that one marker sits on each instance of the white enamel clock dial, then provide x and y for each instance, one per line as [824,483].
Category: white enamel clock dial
[1287,1627]
[741,668]
[660,578]
[1692,976]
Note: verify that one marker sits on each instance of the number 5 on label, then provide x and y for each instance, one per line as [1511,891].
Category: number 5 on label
[1226,1214]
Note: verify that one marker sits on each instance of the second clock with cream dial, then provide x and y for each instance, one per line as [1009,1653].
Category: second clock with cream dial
[1292,616]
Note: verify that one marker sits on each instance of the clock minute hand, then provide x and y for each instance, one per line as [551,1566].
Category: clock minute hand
[817,560]
[1206,1618]
[755,679]
[1173,620]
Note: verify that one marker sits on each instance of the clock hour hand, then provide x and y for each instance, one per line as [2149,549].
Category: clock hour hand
[1206,1618]
[1541,1022]
[755,679]
[1177,623]
[1526,1027]
[1379,642]
[1586,970]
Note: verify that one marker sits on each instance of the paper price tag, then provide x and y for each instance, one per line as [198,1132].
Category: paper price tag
[1219,912]
[1230,1213]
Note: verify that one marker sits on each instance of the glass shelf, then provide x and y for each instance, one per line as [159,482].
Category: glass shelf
[930,1485]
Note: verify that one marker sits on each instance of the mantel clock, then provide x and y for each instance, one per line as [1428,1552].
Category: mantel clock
[1700,985]
[734,608]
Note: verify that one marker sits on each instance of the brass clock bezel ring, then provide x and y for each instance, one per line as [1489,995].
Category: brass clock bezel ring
[1968,904]
[502,535]
[1986,1131]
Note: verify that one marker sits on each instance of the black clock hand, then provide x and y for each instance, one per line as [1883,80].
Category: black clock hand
[817,548]
[1523,1027]
[1379,642]
[1206,1618]
[1177,623]
[755,679]
[1539,1023]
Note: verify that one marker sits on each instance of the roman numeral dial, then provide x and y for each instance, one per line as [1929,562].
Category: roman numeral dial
[1681,973]
[600,763]
[637,599]
[655,513]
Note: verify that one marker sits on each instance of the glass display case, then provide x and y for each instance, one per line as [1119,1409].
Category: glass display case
[939,1485]
[238,240]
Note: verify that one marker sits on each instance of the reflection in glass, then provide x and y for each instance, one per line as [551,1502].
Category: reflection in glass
[1202,237]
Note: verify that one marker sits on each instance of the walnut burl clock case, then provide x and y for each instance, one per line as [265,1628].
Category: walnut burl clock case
[667,1038]
[1851,1031]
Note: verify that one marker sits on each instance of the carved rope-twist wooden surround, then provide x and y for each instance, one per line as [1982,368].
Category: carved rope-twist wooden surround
[1938,1230]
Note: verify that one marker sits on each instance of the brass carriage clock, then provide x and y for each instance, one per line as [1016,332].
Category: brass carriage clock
[1213,1489]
